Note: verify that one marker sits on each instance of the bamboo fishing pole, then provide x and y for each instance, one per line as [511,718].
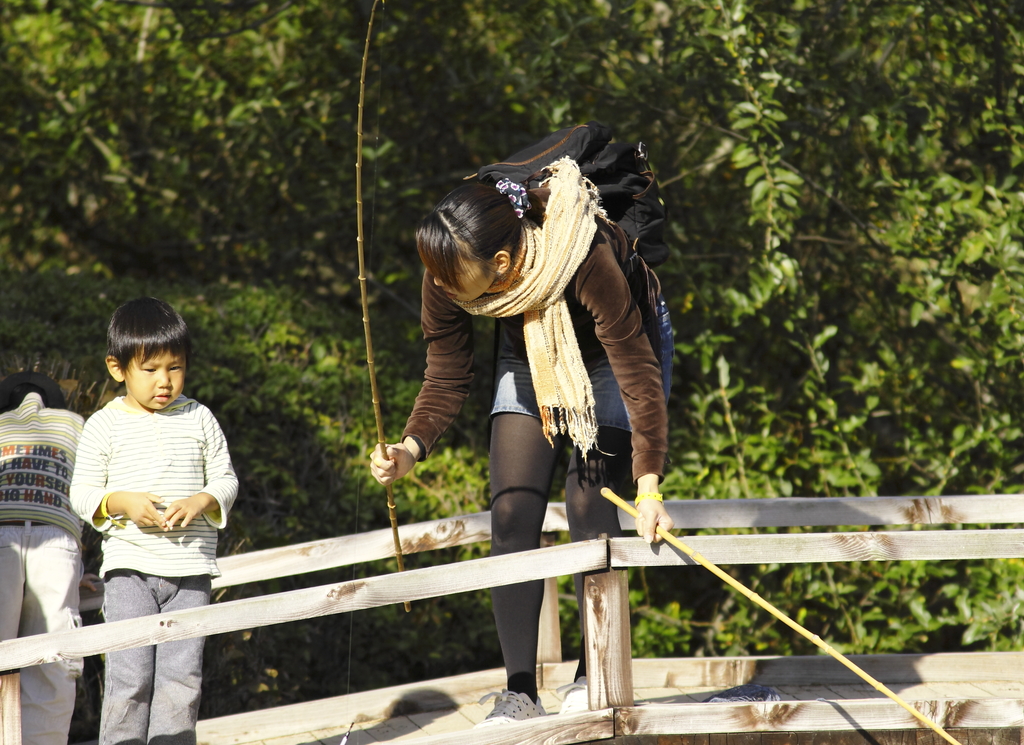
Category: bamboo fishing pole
[743,590]
[370,368]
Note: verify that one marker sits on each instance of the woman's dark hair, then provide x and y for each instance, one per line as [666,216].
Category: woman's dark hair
[472,223]
[145,327]
[14,388]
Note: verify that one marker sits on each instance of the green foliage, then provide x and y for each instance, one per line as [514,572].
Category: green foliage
[847,224]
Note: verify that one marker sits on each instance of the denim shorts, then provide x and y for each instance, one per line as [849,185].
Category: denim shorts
[514,394]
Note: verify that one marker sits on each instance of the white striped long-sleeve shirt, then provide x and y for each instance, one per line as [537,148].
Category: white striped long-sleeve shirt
[174,453]
[37,456]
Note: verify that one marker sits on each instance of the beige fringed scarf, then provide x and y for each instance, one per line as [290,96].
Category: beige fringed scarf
[552,254]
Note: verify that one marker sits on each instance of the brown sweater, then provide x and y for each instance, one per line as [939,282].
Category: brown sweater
[607,323]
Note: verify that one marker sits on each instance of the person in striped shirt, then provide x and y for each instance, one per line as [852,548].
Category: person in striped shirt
[154,476]
[40,554]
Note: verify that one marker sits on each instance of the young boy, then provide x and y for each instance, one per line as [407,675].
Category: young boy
[155,478]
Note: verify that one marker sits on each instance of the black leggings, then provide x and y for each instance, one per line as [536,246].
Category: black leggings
[522,466]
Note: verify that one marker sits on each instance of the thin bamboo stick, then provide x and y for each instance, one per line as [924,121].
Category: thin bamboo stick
[371,369]
[743,590]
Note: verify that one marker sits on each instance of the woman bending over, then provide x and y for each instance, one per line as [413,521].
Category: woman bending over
[575,365]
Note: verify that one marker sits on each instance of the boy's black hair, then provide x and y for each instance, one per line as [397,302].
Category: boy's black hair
[145,327]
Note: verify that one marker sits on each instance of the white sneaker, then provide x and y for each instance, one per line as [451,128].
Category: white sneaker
[511,707]
[574,697]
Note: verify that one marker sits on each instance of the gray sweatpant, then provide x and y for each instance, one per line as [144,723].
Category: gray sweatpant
[152,693]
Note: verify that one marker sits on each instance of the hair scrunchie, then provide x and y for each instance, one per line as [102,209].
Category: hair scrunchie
[516,194]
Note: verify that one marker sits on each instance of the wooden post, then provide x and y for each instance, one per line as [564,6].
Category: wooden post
[607,640]
[549,640]
[10,708]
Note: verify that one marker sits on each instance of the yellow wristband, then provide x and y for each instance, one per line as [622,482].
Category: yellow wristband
[647,495]
[107,515]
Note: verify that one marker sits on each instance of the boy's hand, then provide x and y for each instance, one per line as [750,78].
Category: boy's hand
[137,506]
[187,510]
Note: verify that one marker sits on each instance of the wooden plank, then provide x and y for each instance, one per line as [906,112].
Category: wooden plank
[332,736]
[555,674]
[549,638]
[555,520]
[395,728]
[327,737]
[1005,737]
[803,548]
[697,514]
[10,709]
[747,738]
[338,711]
[984,668]
[808,693]
[1002,688]
[671,695]
[895,669]
[884,737]
[441,722]
[356,737]
[963,735]
[607,642]
[936,690]
[714,673]
[313,602]
[586,727]
[893,737]
[775,738]
[820,511]
[815,716]
[331,553]
[863,689]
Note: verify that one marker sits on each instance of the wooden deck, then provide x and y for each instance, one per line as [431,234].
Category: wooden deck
[979,696]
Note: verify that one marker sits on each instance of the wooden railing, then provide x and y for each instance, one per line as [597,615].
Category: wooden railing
[331,553]
[606,614]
